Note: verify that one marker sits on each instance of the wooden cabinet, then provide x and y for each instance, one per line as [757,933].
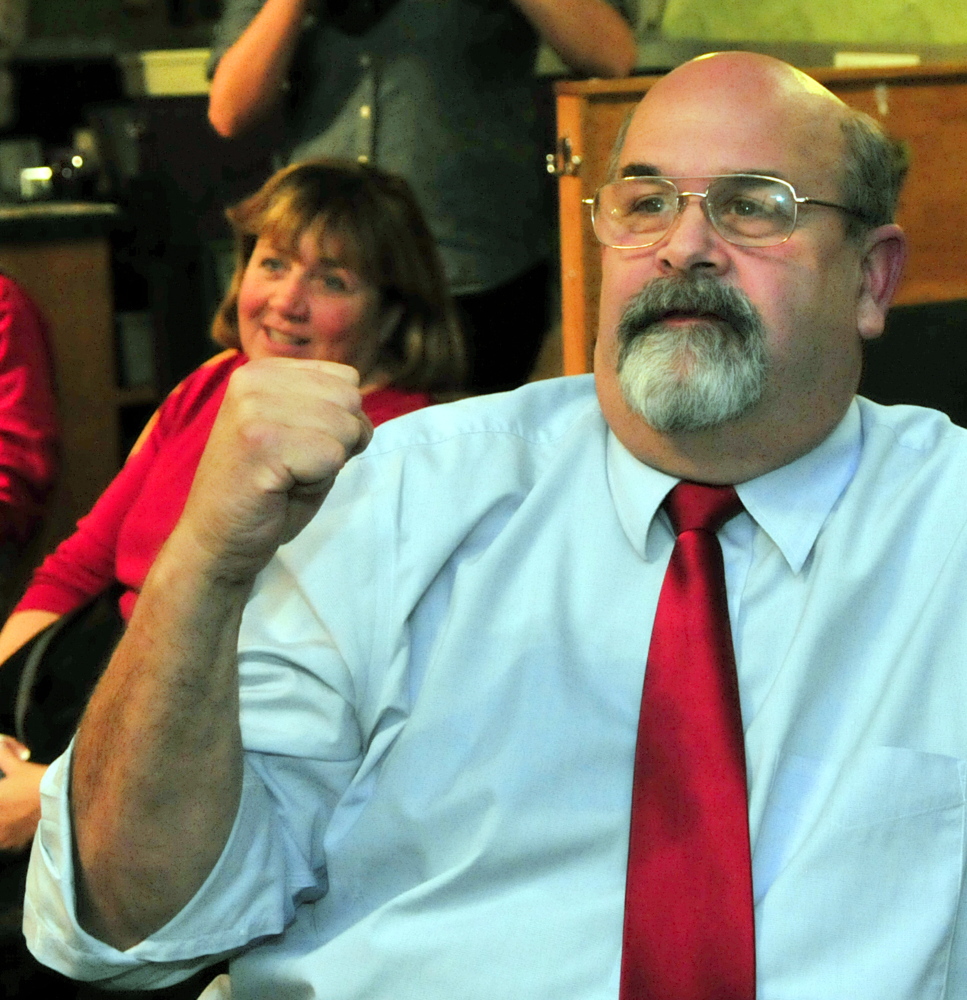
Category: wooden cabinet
[64,263]
[184,176]
[925,106]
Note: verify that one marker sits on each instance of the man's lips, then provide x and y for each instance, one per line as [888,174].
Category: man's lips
[678,316]
[688,306]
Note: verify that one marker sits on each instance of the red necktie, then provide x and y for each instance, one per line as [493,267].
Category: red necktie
[688,931]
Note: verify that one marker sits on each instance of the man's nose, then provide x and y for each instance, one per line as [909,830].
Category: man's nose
[691,243]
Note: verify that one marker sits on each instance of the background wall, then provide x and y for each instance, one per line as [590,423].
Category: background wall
[122,25]
[876,22]
[131,25]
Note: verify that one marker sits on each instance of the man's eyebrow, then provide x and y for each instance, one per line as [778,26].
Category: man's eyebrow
[640,170]
[650,170]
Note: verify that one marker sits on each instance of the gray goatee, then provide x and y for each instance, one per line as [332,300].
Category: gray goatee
[695,376]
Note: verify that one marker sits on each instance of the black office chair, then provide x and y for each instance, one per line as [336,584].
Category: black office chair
[921,359]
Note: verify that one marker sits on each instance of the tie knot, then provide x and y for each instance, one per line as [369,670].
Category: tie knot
[696,506]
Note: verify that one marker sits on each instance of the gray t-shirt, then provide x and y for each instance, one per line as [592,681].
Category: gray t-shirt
[443,94]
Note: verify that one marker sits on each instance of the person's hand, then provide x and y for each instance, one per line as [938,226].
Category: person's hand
[284,430]
[19,795]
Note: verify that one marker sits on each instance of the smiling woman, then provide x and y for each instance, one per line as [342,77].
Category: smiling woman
[334,262]
[308,305]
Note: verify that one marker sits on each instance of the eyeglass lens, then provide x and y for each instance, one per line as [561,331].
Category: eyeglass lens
[744,208]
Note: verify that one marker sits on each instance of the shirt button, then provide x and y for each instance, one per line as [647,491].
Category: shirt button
[363,158]
[365,111]
[365,60]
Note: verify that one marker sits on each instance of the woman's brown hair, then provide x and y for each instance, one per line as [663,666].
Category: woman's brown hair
[385,240]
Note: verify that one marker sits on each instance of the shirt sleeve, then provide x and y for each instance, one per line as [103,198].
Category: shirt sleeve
[303,747]
[236,17]
[272,861]
[85,563]
[190,941]
[28,414]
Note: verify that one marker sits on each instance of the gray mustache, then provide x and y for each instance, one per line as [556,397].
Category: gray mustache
[664,296]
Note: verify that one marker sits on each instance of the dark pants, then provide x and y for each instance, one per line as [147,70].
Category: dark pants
[504,328]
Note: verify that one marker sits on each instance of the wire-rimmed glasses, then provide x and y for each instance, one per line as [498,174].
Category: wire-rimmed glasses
[748,210]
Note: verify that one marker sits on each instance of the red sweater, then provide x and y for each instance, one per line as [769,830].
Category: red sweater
[28,414]
[120,537]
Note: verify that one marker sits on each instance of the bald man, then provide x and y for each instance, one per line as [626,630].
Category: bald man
[393,757]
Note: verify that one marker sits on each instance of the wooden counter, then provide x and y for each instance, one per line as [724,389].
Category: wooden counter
[926,106]
[61,255]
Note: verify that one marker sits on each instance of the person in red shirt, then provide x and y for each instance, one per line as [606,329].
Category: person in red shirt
[28,417]
[334,263]
[29,436]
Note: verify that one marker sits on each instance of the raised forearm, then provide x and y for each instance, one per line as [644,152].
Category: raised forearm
[590,36]
[157,765]
[250,75]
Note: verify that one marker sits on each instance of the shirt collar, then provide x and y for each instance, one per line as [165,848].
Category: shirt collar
[790,504]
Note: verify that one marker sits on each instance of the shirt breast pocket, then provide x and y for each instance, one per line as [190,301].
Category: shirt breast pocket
[860,865]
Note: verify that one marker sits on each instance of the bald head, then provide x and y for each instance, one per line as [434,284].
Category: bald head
[724,88]
[747,72]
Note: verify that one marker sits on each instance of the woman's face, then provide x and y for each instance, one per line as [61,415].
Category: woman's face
[308,305]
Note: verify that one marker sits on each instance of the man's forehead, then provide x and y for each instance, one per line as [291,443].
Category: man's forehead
[741,74]
[733,116]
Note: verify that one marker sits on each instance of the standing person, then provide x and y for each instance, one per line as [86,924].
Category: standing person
[397,757]
[441,92]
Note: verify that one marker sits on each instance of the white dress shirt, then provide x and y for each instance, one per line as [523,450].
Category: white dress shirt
[440,691]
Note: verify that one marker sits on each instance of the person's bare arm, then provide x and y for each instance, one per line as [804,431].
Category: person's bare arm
[19,795]
[250,75]
[20,627]
[590,36]
[157,764]
[19,788]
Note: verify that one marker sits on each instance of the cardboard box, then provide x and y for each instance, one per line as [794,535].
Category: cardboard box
[165,73]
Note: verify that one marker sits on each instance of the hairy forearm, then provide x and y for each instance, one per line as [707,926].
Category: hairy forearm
[157,765]
[250,75]
[590,36]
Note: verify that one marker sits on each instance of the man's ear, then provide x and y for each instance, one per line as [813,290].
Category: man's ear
[883,259]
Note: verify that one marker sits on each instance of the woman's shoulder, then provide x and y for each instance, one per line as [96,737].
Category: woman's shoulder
[212,372]
[202,389]
[388,402]
[208,378]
